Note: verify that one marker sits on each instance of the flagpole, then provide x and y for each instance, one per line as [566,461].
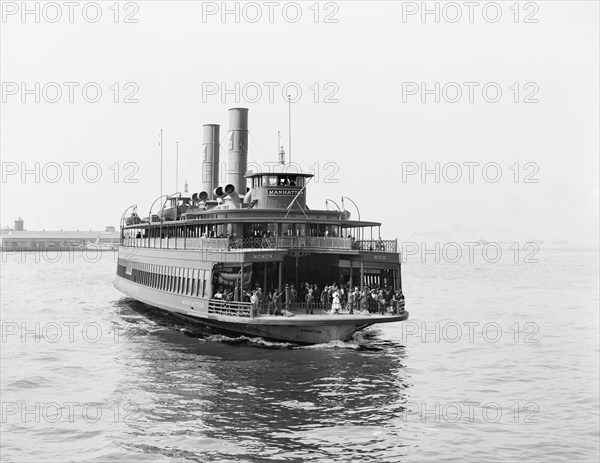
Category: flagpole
[290,125]
[161,162]
[177,166]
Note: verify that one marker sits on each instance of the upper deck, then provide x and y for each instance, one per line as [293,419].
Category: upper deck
[260,229]
[249,210]
[311,243]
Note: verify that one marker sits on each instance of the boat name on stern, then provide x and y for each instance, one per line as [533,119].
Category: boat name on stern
[193,303]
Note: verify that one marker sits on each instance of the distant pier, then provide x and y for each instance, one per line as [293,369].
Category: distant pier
[18,239]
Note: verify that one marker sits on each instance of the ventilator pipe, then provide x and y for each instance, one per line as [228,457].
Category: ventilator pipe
[200,199]
[248,197]
[231,194]
[219,193]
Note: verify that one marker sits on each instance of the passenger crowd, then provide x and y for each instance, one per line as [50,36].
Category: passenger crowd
[309,297]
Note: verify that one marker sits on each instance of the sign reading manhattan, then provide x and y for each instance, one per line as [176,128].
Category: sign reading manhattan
[284,192]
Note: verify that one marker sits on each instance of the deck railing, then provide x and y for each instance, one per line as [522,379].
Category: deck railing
[376,245]
[314,242]
[287,242]
[247,309]
[229,244]
[237,309]
[320,308]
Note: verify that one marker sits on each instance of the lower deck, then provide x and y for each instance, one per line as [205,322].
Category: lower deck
[320,326]
[198,274]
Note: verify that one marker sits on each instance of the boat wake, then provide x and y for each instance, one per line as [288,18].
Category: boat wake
[250,341]
[368,341]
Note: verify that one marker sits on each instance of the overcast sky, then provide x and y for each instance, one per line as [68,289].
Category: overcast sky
[369,129]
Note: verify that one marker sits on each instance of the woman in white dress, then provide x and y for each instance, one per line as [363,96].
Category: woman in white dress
[335,306]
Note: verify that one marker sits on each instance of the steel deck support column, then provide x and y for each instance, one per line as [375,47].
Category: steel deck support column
[296,274]
[242,283]
[399,277]
[362,275]
[280,287]
[265,280]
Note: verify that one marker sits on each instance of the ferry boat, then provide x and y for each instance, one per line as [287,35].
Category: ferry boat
[248,257]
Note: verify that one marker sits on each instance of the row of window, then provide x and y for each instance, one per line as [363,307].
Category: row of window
[237,229]
[184,281]
[277,180]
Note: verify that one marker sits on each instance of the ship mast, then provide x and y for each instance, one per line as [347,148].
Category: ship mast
[161,162]
[290,126]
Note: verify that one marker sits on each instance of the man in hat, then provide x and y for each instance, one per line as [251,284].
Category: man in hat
[254,301]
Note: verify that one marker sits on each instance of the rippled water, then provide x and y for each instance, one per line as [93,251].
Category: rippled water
[89,375]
